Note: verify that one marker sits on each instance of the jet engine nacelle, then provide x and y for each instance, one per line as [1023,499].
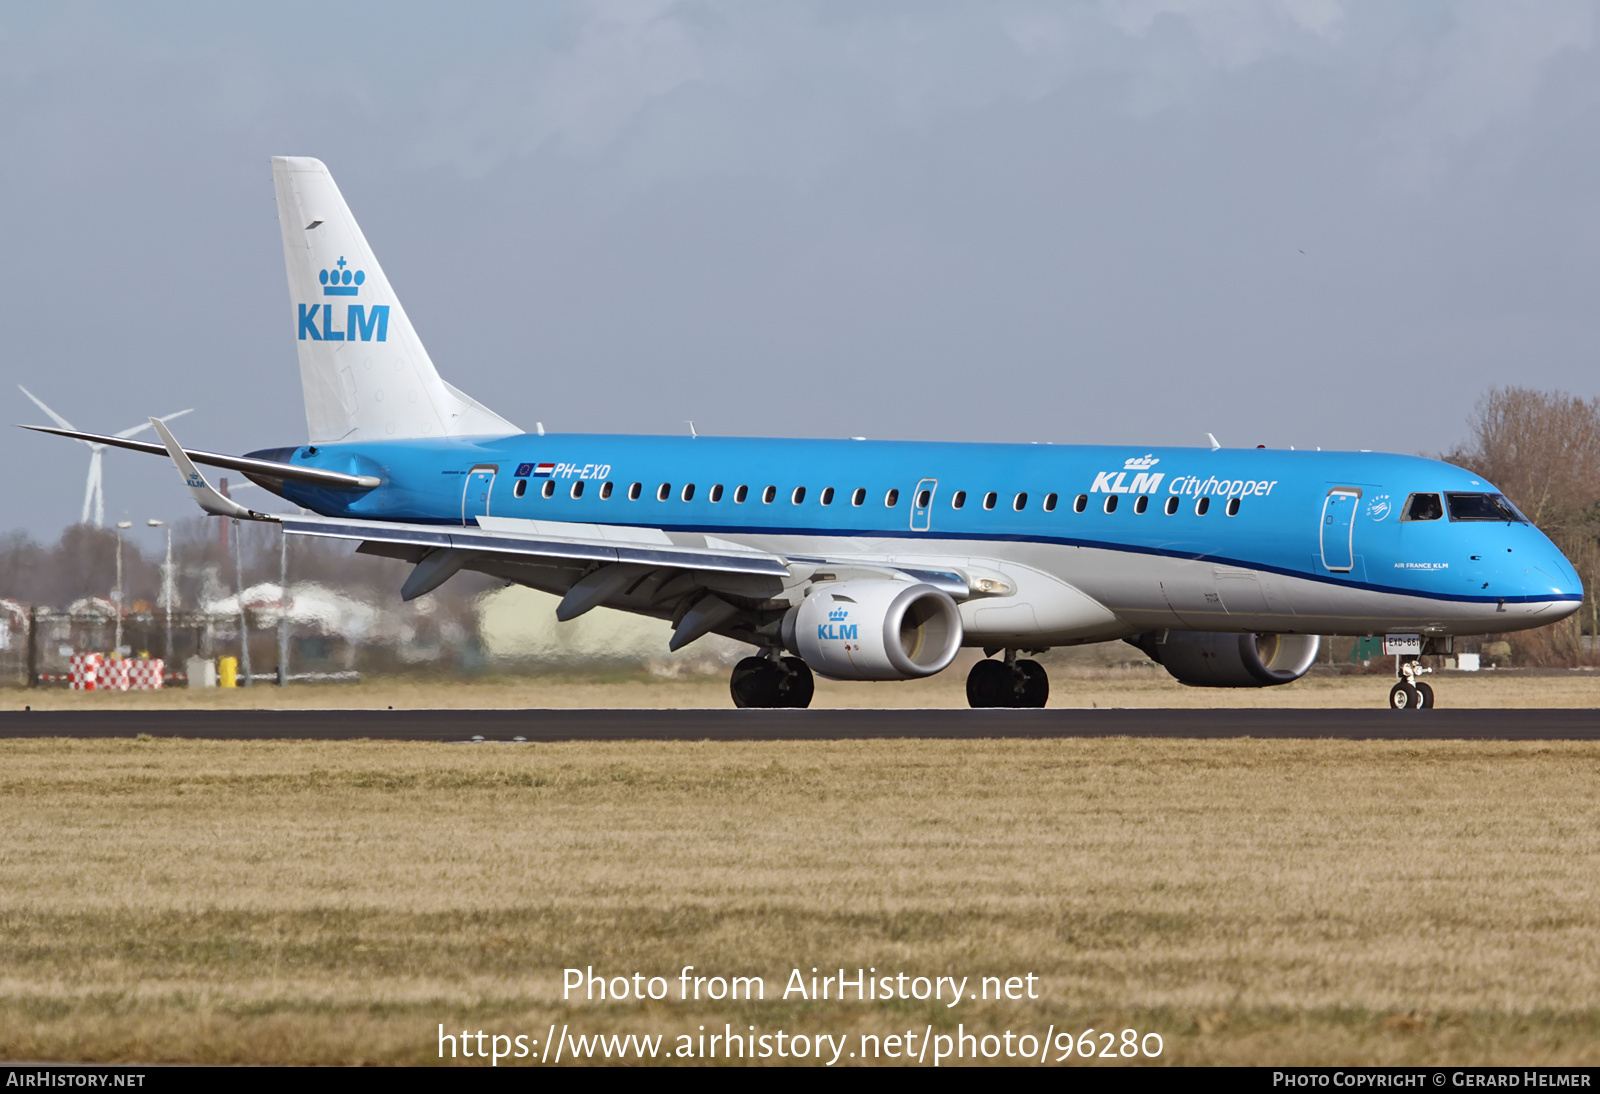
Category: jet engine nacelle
[1212,659]
[874,630]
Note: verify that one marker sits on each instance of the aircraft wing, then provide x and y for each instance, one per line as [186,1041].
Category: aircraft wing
[703,586]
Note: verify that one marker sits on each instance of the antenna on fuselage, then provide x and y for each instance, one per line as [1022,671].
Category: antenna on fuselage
[690,424]
[538,427]
[1215,444]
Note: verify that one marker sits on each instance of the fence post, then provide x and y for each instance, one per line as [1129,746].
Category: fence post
[33,647]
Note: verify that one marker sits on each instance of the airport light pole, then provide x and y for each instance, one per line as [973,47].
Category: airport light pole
[117,644]
[166,584]
[244,621]
[283,608]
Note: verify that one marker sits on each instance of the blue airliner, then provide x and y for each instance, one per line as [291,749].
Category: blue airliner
[875,560]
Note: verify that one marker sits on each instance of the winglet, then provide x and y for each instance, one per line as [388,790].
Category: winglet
[207,498]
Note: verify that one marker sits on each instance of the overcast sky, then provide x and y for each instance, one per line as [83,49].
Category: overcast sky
[1308,222]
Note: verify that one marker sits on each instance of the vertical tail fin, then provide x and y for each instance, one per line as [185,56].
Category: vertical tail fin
[363,369]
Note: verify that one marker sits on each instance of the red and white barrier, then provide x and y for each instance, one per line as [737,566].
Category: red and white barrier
[97,672]
[146,673]
[114,674]
[85,675]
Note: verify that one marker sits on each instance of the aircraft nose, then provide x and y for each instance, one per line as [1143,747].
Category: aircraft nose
[1552,589]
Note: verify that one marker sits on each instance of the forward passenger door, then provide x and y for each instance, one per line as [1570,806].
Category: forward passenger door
[1338,528]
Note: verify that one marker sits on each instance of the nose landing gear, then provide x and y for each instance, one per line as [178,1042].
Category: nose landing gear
[1411,693]
[1008,683]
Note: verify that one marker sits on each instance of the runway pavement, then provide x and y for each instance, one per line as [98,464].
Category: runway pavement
[804,725]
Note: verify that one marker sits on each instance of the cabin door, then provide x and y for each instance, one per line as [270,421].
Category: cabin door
[475,494]
[1338,528]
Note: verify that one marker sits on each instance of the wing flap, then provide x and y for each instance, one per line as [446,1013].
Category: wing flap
[539,544]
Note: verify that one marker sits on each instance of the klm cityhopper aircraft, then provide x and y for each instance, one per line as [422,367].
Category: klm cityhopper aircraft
[867,560]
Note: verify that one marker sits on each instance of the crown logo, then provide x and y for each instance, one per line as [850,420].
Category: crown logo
[341,282]
[838,614]
[1140,463]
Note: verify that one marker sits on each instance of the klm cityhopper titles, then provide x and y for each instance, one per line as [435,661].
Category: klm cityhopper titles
[864,560]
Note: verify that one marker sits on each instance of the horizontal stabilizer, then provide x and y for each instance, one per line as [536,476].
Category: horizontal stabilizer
[265,468]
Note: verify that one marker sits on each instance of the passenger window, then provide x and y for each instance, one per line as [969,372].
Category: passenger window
[798,496]
[1201,506]
[740,494]
[1020,502]
[958,499]
[1049,503]
[923,498]
[605,491]
[768,494]
[1172,505]
[1141,503]
[688,492]
[634,491]
[827,495]
[1233,507]
[577,489]
[549,488]
[1422,507]
[716,492]
[520,489]
[664,491]
[1111,503]
[1080,503]
[989,500]
[859,497]
[891,499]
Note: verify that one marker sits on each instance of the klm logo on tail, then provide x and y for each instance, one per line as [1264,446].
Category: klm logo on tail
[836,629]
[359,321]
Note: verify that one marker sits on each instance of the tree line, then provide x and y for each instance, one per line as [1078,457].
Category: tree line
[1543,450]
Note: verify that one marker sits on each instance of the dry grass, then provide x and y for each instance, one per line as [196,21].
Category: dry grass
[1070,687]
[1254,902]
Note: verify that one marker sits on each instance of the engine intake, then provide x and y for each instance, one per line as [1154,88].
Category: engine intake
[874,630]
[1214,659]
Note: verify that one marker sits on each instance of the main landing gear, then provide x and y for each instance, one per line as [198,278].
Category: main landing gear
[772,681]
[1411,693]
[1008,683]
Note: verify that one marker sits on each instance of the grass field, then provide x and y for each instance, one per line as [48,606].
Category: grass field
[1251,901]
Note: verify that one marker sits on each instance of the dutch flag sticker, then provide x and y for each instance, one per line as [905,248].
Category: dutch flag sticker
[544,470]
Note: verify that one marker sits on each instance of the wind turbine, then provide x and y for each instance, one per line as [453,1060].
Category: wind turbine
[94,496]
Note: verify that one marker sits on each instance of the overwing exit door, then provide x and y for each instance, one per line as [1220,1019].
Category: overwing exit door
[1338,528]
[922,504]
[475,494]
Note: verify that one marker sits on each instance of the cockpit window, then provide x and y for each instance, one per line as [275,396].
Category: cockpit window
[1482,507]
[1423,507]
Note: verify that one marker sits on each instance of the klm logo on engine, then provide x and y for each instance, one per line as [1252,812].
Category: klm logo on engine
[835,628]
[360,322]
[1116,482]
